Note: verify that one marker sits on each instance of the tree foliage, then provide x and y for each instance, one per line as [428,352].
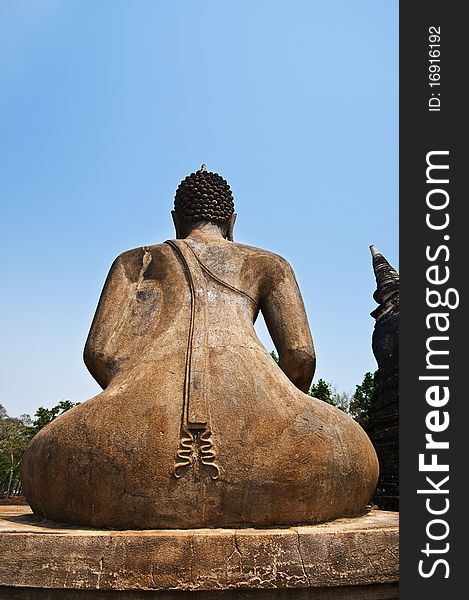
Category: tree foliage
[45,415]
[15,435]
[362,399]
[327,392]
[13,441]
[322,390]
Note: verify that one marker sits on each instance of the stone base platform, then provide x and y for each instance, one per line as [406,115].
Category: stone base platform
[344,559]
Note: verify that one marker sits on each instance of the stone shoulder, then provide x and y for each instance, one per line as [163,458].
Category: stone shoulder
[265,256]
[140,251]
[265,263]
[132,260]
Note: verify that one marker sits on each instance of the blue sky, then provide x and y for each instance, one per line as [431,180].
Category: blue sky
[105,106]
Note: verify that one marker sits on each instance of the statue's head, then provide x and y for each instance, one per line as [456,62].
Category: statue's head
[204,197]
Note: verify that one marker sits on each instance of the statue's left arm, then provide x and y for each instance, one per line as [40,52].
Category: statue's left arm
[286,320]
[99,354]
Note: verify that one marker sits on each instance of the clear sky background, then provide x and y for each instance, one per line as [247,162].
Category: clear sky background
[106,105]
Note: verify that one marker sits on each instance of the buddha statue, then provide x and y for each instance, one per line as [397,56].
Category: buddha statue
[197,426]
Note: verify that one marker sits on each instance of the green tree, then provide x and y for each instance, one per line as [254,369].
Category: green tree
[322,390]
[15,435]
[341,400]
[45,415]
[362,399]
[327,392]
[14,438]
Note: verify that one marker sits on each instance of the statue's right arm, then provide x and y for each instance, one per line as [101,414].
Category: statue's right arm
[98,357]
[285,316]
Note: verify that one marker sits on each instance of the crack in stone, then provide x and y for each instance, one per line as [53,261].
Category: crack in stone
[236,550]
[235,540]
[100,572]
[152,575]
[146,260]
[301,557]
[228,567]
[192,560]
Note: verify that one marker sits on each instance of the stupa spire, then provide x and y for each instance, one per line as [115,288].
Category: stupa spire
[387,278]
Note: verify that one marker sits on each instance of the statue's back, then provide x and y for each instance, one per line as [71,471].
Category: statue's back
[197,425]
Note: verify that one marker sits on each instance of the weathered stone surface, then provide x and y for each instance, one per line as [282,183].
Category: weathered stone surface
[197,426]
[347,552]
[383,427]
[380,591]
